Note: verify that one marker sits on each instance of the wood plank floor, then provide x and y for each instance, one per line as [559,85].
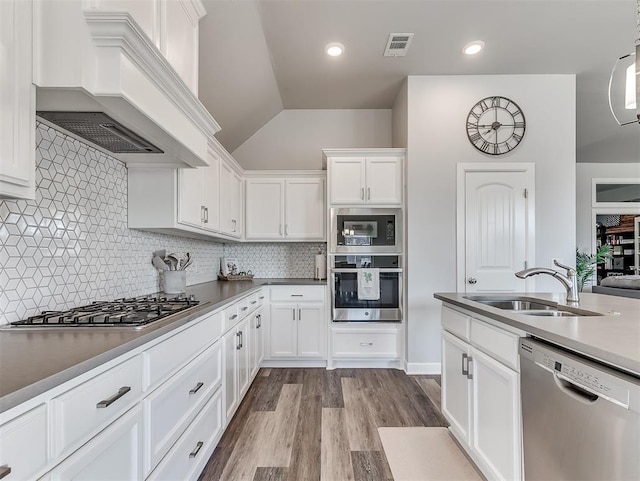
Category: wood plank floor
[319,425]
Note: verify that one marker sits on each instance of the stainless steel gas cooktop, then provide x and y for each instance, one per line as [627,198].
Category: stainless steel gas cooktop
[133,313]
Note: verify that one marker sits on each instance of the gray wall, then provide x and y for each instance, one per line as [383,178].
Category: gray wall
[437,141]
[294,139]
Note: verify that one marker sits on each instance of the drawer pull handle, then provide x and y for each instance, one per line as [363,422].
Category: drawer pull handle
[195,452]
[254,302]
[297,295]
[261,297]
[5,471]
[108,402]
[233,317]
[366,343]
[244,308]
[197,388]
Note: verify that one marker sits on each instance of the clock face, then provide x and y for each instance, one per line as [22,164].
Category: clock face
[495,125]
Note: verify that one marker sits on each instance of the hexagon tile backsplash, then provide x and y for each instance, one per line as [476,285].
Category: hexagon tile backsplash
[71,245]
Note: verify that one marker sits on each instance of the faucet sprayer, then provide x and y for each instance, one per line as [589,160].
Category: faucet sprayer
[570,281]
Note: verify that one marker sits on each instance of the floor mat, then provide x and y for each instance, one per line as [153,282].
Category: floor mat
[425,454]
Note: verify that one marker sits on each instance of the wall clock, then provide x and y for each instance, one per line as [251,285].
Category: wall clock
[495,125]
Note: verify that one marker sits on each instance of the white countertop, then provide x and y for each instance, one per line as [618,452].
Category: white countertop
[613,338]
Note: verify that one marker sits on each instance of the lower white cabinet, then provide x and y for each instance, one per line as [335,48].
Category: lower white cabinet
[365,343]
[23,445]
[189,455]
[116,454]
[257,340]
[236,345]
[297,330]
[297,323]
[481,393]
[170,408]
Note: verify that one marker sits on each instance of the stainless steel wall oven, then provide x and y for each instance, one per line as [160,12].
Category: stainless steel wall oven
[347,306]
[366,230]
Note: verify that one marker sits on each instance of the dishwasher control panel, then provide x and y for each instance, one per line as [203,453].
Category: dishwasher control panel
[581,372]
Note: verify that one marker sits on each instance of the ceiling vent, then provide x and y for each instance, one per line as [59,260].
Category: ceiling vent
[398,44]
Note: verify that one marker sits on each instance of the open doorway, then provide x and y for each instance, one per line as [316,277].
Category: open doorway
[620,233]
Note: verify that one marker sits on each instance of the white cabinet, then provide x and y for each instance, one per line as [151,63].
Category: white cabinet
[23,445]
[365,177]
[171,408]
[297,324]
[365,342]
[285,209]
[236,344]
[115,454]
[17,101]
[257,340]
[230,201]
[201,203]
[198,196]
[481,392]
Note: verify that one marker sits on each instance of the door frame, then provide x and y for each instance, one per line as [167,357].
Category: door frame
[530,177]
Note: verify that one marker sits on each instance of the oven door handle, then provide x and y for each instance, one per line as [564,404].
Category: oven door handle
[382,271]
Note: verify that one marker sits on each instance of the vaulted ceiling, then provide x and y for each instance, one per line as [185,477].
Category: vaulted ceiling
[258,57]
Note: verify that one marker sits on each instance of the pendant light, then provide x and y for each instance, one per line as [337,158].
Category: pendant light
[624,84]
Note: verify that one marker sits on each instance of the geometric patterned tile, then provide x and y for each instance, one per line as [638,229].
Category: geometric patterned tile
[71,245]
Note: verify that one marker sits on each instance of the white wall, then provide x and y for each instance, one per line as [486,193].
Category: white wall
[585,172]
[294,139]
[400,117]
[437,111]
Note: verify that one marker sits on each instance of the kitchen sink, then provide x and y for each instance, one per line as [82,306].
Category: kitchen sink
[530,306]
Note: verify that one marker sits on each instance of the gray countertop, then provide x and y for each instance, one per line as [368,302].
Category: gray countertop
[33,361]
[613,338]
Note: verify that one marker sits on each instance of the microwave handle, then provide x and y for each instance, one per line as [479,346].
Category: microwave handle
[382,271]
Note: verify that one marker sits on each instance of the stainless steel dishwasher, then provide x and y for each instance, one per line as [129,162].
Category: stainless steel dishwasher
[581,419]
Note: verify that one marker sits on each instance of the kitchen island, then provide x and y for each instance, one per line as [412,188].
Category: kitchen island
[33,361]
[612,338]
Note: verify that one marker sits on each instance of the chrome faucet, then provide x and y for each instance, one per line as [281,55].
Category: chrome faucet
[570,281]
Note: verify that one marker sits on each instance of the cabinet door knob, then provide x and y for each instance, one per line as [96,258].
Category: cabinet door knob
[472,280]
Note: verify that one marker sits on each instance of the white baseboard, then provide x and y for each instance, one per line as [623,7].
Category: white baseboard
[293,362]
[423,368]
[363,364]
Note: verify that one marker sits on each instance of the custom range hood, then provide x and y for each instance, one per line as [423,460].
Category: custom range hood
[101,77]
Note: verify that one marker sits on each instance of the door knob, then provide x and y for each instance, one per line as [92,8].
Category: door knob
[472,280]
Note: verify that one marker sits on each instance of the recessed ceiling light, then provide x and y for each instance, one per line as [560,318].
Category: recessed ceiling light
[334,49]
[473,48]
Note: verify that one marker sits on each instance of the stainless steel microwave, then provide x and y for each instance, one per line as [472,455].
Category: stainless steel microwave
[366,230]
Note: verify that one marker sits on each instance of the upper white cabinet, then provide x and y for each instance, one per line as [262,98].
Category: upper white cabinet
[371,176]
[230,201]
[17,101]
[285,209]
[198,196]
[189,202]
[136,61]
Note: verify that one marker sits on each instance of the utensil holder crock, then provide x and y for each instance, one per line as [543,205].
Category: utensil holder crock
[175,282]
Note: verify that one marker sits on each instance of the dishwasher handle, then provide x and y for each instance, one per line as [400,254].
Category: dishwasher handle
[573,390]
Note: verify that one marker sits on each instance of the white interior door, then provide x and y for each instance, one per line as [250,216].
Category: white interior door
[497,225]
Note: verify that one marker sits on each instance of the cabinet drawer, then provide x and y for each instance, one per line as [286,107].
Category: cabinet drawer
[365,344]
[456,323]
[243,308]
[230,316]
[252,302]
[172,353]
[170,409]
[23,445]
[114,454]
[94,404]
[496,342]
[190,453]
[297,293]
[263,297]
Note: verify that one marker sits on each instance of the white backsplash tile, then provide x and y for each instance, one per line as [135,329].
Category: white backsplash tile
[71,245]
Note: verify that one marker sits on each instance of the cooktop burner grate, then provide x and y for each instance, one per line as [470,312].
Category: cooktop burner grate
[132,312]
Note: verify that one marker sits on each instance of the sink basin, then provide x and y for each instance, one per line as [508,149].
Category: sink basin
[529,306]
